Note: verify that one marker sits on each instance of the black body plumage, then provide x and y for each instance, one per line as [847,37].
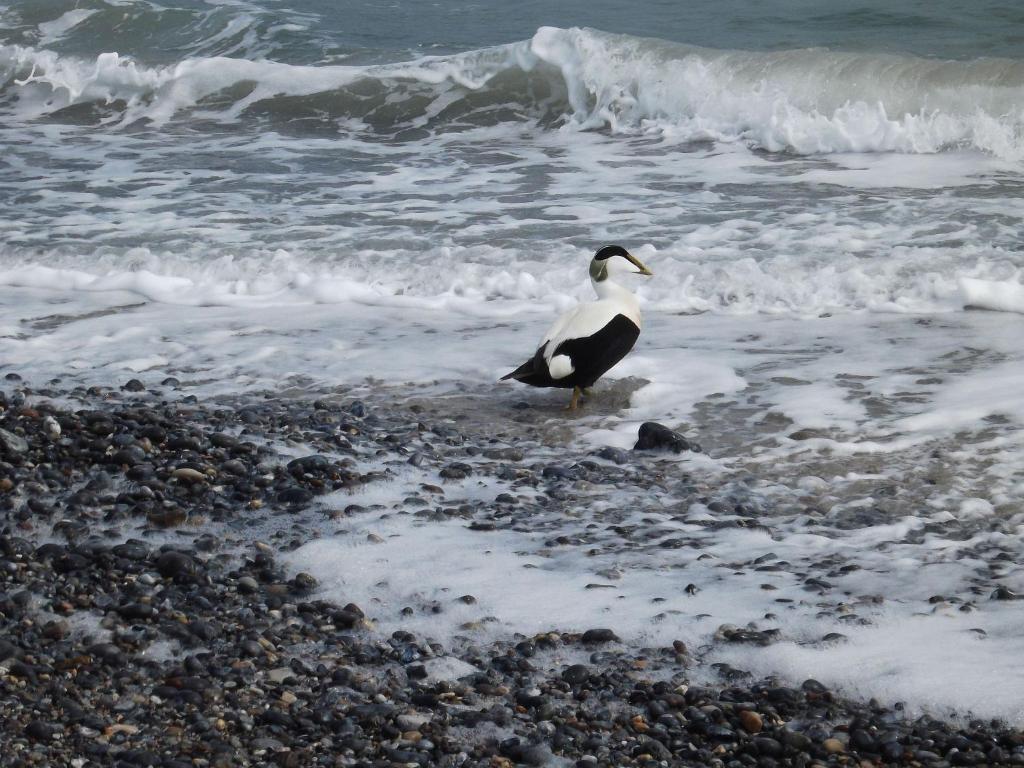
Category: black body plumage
[592,356]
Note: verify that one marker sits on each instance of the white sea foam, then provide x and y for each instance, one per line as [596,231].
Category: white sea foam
[999,295]
[892,653]
[691,276]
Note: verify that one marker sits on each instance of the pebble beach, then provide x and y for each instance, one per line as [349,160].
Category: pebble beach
[150,617]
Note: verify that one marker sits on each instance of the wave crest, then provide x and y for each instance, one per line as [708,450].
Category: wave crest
[808,101]
[922,280]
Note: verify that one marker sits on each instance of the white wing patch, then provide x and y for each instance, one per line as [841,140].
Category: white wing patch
[560,366]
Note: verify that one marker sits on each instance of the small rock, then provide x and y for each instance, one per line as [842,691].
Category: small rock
[295,496]
[614,455]
[599,636]
[807,434]
[577,674]
[411,721]
[137,611]
[37,730]
[768,746]
[128,456]
[457,470]
[8,650]
[56,630]
[52,427]
[304,582]
[280,674]
[833,746]
[1002,593]
[751,721]
[132,549]
[12,443]
[188,475]
[176,564]
[168,518]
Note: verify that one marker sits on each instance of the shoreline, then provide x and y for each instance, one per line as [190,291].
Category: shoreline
[144,625]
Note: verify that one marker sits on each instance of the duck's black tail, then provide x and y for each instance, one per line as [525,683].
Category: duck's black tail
[533,372]
[522,373]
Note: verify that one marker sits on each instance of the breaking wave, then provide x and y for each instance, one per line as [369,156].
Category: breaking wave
[917,281]
[807,101]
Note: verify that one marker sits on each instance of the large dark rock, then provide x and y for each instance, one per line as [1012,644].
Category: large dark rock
[658,437]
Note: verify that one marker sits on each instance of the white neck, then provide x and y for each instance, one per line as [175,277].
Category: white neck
[609,290]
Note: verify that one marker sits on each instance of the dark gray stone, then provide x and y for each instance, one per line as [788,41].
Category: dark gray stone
[657,437]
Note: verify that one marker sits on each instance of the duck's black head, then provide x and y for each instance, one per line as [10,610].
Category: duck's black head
[615,259]
[611,250]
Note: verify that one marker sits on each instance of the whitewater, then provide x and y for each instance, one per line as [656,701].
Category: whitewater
[248,199]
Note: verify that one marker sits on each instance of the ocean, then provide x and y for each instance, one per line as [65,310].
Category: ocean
[400,197]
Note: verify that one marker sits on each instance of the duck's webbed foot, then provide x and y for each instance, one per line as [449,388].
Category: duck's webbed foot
[575,402]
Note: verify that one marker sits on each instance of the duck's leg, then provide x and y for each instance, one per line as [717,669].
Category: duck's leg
[575,402]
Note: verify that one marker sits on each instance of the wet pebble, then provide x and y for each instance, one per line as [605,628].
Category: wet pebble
[11,443]
[599,636]
[176,565]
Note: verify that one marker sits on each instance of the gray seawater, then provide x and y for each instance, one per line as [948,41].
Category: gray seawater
[157,33]
[236,140]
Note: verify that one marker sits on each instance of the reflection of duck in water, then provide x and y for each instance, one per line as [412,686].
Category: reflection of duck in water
[589,339]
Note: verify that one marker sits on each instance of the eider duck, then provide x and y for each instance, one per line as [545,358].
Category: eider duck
[589,339]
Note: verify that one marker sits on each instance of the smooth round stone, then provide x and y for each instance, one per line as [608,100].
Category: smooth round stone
[614,455]
[577,674]
[176,564]
[304,582]
[295,496]
[599,636]
[131,550]
[833,746]
[751,721]
[768,746]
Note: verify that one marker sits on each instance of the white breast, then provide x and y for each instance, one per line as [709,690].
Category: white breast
[585,320]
